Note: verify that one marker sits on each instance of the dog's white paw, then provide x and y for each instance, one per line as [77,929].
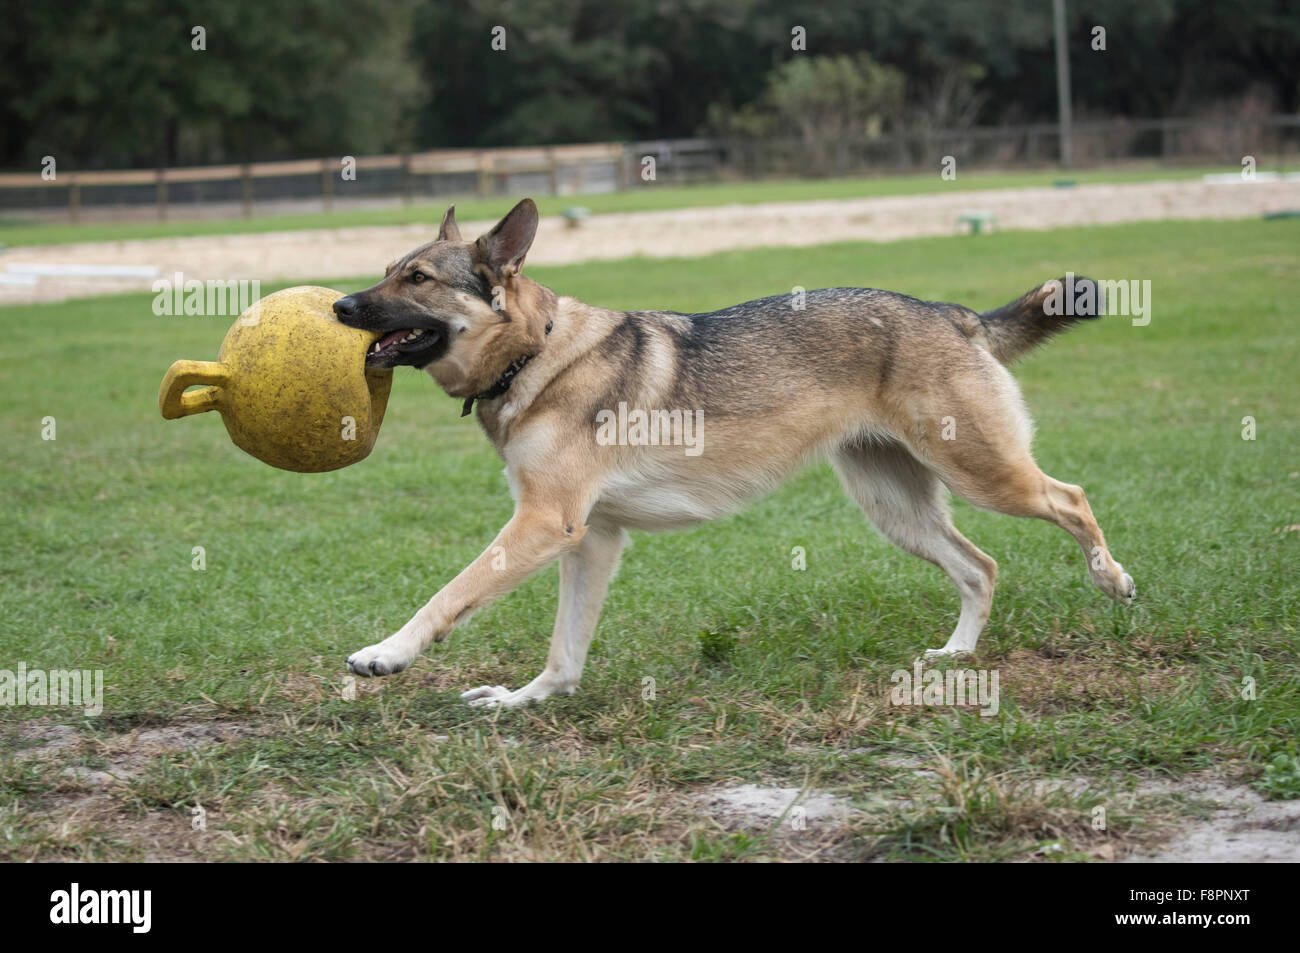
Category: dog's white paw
[1126,591]
[945,652]
[493,696]
[380,659]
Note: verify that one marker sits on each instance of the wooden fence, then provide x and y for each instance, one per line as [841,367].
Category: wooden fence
[609,166]
[248,183]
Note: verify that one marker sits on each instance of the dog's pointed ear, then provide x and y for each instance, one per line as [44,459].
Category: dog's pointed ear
[449,231]
[503,249]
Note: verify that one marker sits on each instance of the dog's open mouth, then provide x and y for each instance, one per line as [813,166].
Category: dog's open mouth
[414,346]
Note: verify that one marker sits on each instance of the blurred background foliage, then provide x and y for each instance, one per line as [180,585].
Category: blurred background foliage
[114,83]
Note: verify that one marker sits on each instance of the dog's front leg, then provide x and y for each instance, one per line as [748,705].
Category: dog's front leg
[585,572]
[533,537]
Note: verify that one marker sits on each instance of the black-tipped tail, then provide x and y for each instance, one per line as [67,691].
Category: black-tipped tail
[1048,309]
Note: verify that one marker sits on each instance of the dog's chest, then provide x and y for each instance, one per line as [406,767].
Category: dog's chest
[665,500]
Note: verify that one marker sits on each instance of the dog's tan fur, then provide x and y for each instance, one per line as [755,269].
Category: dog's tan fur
[867,378]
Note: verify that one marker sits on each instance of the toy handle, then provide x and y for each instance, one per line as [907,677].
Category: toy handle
[174,402]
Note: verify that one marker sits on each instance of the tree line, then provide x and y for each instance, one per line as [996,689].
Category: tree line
[122,83]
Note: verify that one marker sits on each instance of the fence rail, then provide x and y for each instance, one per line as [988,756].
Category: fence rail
[611,166]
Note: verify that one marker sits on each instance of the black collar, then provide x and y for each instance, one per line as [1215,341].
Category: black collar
[504,381]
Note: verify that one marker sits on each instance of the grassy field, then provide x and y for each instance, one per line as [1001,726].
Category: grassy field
[763,674]
[32,232]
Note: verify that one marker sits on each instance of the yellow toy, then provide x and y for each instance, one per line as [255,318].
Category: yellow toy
[290,383]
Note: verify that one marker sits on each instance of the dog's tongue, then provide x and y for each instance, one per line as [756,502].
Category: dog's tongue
[392,338]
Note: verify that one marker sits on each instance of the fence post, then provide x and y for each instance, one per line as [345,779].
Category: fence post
[552,171]
[160,190]
[1063,104]
[74,199]
[484,176]
[327,184]
[404,177]
[246,188]
[631,165]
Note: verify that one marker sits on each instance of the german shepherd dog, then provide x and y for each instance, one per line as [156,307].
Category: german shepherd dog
[906,397]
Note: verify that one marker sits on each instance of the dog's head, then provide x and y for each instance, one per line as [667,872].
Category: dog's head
[459,309]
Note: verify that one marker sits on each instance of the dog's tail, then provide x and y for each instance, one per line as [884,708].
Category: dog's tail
[1053,307]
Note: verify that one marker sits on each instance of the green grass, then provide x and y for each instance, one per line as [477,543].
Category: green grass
[16,232]
[762,674]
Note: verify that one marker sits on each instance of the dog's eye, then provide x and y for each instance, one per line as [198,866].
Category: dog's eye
[418,276]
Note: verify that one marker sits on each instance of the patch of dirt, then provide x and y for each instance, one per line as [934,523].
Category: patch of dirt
[1244,828]
[46,739]
[753,805]
[813,825]
[321,253]
[88,805]
[127,752]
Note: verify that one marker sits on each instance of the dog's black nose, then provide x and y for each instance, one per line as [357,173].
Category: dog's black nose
[345,307]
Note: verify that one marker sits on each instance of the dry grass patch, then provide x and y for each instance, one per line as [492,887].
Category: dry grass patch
[1044,681]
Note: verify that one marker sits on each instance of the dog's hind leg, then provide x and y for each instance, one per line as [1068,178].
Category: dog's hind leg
[986,461]
[585,572]
[1019,488]
[907,502]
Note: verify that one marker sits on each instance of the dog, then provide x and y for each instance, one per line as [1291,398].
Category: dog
[909,399]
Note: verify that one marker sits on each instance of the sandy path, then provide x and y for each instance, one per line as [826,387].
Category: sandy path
[356,252]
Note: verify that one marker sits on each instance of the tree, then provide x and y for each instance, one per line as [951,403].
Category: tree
[823,101]
[120,82]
